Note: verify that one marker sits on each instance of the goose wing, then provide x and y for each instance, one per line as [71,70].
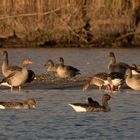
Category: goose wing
[7,79]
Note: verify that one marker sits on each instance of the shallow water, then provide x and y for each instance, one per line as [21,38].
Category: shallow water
[54,119]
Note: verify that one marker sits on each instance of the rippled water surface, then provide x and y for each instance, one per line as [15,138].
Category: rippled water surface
[54,119]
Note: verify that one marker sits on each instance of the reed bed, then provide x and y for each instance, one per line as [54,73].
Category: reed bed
[69,22]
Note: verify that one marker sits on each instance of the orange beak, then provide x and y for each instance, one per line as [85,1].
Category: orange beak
[30,62]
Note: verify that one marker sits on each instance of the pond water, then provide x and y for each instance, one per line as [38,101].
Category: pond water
[53,118]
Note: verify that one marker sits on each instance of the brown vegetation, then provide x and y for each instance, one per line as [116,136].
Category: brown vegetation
[82,22]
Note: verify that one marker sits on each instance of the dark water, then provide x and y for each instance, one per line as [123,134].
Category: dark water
[54,119]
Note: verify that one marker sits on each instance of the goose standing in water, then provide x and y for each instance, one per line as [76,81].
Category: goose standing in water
[132,81]
[93,106]
[111,81]
[17,78]
[27,104]
[116,67]
[99,79]
[7,70]
[116,80]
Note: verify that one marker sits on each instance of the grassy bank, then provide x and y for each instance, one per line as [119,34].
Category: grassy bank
[80,23]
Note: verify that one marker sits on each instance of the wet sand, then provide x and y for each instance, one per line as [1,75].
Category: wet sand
[45,81]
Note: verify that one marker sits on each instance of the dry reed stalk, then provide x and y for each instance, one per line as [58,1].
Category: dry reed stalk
[70,21]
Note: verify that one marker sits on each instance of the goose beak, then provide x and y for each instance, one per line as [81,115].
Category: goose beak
[30,62]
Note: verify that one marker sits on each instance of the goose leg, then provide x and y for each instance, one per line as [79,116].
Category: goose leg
[108,88]
[11,88]
[19,88]
[100,88]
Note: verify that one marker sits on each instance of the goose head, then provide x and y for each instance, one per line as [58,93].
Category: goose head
[4,54]
[111,54]
[128,73]
[49,63]
[31,103]
[61,60]
[27,62]
[106,98]
[90,100]
[50,66]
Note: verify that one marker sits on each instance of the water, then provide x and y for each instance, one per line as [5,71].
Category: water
[54,119]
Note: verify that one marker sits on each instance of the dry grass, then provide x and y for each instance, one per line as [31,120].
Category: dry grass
[38,22]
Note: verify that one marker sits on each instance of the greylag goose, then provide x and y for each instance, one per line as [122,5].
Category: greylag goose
[99,79]
[132,81]
[112,81]
[62,71]
[50,66]
[116,67]
[93,106]
[27,104]
[135,69]
[7,70]
[66,70]
[17,78]
[116,80]
[61,60]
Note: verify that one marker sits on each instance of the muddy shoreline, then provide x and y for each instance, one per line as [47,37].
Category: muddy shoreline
[44,81]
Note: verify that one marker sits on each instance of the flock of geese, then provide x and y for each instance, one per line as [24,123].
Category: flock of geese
[119,73]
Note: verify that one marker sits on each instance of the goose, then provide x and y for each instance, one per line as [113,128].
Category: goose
[112,81]
[132,81]
[66,70]
[61,60]
[135,69]
[116,80]
[99,79]
[17,78]
[7,70]
[62,71]
[113,66]
[27,104]
[93,106]
[50,66]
